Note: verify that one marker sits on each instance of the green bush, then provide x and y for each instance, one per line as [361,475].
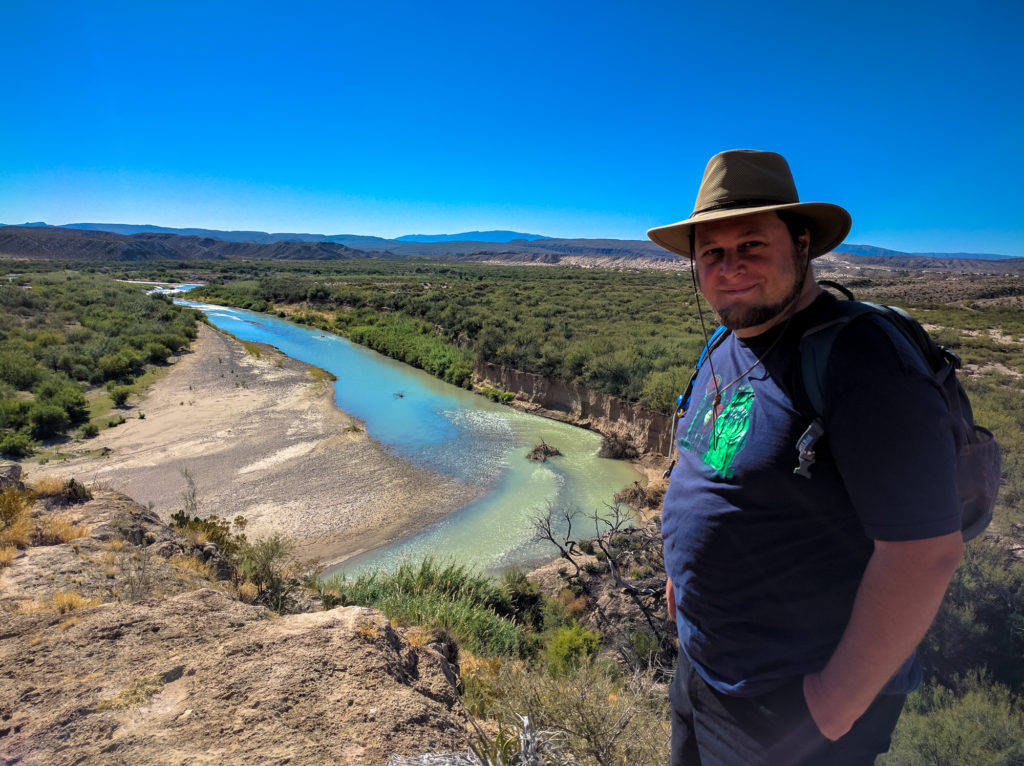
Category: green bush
[264,563]
[47,420]
[570,647]
[89,430]
[471,607]
[119,395]
[982,725]
[17,445]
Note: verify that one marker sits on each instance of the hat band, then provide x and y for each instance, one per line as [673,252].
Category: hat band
[736,204]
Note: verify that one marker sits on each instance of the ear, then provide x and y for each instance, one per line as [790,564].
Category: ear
[804,243]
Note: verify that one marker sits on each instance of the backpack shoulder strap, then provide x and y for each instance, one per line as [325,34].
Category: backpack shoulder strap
[816,347]
[719,335]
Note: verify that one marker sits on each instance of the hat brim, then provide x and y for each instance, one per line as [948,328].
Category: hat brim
[829,224]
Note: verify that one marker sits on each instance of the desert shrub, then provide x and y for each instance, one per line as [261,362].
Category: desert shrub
[90,430]
[472,607]
[15,523]
[265,563]
[570,647]
[7,554]
[54,530]
[618,448]
[524,598]
[602,720]
[17,445]
[228,536]
[66,601]
[47,420]
[981,724]
[134,564]
[119,395]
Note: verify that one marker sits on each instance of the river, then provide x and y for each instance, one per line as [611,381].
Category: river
[453,432]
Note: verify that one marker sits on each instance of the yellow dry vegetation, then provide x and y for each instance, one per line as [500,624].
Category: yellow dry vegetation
[64,602]
[7,554]
[59,529]
[247,591]
[48,486]
[139,692]
[193,564]
[15,523]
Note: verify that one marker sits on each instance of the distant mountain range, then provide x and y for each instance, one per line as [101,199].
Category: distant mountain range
[870,250]
[102,241]
[472,236]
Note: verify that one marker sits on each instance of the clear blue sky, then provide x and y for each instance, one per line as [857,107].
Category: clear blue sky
[591,119]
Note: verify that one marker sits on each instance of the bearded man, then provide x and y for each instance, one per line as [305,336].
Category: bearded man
[798,601]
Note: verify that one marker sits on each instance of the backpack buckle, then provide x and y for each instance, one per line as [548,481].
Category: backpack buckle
[805,448]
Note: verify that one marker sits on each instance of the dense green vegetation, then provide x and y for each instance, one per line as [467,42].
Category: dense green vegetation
[633,335]
[64,339]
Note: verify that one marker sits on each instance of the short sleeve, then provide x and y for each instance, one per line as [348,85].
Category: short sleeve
[890,433]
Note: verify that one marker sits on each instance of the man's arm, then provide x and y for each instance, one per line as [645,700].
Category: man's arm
[903,585]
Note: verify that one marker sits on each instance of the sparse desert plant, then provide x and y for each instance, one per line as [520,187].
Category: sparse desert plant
[64,602]
[193,564]
[270,565]
[604,721]
[48,486]
[7,554]
[54,530]
[89,430]
[15,523]
[134,565]
[139,692]
[570,647]
[247,591]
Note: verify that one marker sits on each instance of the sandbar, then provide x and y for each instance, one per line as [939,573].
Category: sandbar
[262,437]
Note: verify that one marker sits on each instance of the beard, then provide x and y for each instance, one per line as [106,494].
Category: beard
[742,317]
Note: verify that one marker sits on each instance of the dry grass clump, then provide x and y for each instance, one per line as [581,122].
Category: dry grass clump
[193,564]
[62,602]
[53,530]
[48,486]
[7,554]
[139,692]
[247,591]
[15,523]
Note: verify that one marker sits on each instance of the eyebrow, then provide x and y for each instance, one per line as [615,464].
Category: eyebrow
[753,229]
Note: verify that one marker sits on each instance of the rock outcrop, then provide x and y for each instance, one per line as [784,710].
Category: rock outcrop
[178,670]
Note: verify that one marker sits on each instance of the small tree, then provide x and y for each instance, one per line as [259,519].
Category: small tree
[546,529]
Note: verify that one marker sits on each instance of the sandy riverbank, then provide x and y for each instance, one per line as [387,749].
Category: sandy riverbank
[263,439]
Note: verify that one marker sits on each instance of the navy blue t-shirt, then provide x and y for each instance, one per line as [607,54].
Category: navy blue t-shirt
[766,563]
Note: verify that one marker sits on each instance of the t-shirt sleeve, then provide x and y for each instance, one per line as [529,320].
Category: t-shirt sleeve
[890,434]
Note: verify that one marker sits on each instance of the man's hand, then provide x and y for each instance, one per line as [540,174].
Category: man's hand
[670,599]
[903,585]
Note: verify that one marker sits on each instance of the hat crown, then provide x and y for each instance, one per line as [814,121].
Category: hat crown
[742,178]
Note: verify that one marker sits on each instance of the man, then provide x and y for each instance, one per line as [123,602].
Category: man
[798,601]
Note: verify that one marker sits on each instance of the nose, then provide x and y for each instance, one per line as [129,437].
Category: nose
[731,262]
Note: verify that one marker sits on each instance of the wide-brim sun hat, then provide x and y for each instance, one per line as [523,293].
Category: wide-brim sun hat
[743,182]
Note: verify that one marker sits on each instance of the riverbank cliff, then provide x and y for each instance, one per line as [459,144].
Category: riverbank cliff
[648,430]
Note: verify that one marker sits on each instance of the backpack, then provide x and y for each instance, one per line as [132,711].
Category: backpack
[978,461]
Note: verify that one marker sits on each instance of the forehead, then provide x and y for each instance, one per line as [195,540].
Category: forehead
[740,226]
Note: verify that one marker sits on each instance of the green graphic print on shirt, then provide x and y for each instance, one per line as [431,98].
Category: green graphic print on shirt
[720,432]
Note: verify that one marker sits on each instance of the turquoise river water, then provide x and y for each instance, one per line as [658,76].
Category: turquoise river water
[456,433]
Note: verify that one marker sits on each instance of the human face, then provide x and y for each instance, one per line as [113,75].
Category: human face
[751,272]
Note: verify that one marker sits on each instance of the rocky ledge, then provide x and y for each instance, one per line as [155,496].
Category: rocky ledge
[98,668]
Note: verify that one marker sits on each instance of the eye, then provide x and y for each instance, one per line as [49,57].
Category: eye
[711,254]
[752,244]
